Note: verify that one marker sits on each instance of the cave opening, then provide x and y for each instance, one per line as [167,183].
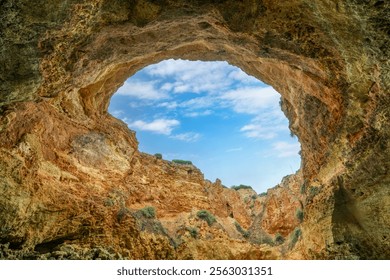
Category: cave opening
[62,155]
[227,123]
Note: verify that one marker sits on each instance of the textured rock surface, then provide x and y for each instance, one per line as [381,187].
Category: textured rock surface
[72,182]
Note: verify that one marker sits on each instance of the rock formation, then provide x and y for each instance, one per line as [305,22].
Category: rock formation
[74,185]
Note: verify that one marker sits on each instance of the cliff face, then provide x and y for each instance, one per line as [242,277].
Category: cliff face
[73,184]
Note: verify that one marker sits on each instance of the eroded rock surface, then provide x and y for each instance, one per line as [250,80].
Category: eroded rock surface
[73,184]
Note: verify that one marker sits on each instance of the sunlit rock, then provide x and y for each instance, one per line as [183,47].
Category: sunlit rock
[73,184]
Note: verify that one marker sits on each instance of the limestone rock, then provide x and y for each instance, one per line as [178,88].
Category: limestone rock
[73,183]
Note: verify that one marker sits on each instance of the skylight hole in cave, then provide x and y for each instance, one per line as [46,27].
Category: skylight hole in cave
[227,123]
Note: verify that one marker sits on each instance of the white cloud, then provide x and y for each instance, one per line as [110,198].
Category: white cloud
[186,69]
[167,67]
[268,120]
[198,113]
[182,87]
[168,105]
[159,126]
[265,126]
[251,100]
[117,113]
[193,76]
[285,149]
[141,90]
[203,102]
[187,137]
[135,104]
[258,131]
[242,77]
[167,86]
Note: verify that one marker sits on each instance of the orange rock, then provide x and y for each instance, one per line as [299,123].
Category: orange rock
[73,183]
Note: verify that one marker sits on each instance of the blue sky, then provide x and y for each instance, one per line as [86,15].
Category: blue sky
[228,123]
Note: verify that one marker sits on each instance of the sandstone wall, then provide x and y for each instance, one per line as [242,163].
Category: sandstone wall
[68,169]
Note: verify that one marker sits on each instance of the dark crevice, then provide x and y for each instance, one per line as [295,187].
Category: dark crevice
[49,246]
[13,244]
[16,245]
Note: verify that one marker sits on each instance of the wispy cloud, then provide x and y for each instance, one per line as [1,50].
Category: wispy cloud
[284,149]
[142,90]
[168,105]
[242,77]
[187,137]
[197,76]
[117,113]
[268,124]
[250,100]
[258,131]
[203,102]
[159,126]
[201,113]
